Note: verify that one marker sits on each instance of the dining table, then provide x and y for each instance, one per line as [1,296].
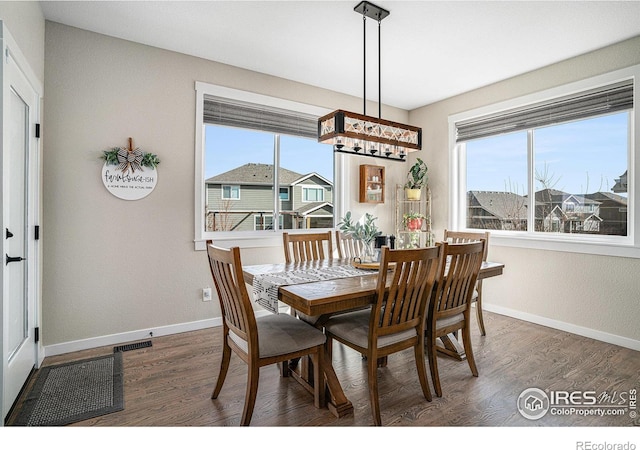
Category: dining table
[323,298]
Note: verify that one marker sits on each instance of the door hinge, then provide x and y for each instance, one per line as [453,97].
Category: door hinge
[37,130]
[36,233]
[36,334]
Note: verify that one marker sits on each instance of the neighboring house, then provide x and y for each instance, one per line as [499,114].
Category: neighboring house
[491,210]
[621,184]
[567,213]
[242,199]
[613,211]
[556,211]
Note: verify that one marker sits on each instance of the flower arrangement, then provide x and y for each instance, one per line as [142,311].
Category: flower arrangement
[366,232]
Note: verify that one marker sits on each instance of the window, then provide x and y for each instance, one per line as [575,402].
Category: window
[259,159]
[312,194]
[230,192]
[552,166]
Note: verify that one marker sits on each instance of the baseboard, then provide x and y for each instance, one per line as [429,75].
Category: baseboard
[564,326]
[129,336]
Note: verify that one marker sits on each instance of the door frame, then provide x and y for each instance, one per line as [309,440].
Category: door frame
[8,47]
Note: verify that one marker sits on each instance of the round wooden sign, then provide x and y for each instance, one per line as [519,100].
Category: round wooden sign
[129,185]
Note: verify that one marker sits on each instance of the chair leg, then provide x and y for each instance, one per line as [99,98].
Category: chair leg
[433,364]
[422,371]
[252,392]
[466,341]
[479,312]
[372,370]
[224,367]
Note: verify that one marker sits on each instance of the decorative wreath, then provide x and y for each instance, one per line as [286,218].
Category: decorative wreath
[130,159]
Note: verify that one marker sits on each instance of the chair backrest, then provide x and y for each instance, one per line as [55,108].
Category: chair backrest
[301,247]
[457,278]
[348,247]
[413,274]
[457,237]
[237,312]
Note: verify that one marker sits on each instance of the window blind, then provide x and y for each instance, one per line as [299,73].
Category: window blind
[239,114]
[594,102]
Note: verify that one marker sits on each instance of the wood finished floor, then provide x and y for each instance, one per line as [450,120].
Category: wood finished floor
[170,383]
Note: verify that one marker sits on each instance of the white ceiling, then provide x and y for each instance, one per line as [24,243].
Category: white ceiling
[430,49]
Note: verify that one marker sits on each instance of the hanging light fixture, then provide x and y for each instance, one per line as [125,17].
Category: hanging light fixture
[360,134]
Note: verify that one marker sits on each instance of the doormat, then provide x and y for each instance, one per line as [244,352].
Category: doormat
[74,391]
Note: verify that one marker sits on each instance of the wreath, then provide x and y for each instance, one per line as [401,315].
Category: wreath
[130,158]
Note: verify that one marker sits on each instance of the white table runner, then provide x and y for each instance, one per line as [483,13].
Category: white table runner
[265,286]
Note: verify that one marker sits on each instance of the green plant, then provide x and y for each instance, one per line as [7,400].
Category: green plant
[366,232]
[417,175]
[148,159]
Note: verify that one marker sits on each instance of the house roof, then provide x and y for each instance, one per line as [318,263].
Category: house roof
[601,196]
[308,208]
[255,173]
[502,204]
[556,196]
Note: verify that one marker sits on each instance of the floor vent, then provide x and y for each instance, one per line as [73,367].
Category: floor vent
[135,346]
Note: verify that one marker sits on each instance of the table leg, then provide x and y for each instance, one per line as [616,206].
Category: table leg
[338,403]
[451,347]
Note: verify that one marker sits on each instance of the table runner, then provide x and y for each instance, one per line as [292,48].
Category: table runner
[265,286]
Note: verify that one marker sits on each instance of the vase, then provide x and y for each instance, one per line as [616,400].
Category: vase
[367,253]
[413,194]
[414,224]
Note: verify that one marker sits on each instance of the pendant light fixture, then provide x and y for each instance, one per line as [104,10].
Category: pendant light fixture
[360,134]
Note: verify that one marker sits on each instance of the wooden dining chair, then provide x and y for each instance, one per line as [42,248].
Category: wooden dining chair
[258,341]
[347,246]
[468,236]
[450,305]
[396,321]
[300,247]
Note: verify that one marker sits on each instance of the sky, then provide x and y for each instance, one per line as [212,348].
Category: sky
[228,148]
[576,157]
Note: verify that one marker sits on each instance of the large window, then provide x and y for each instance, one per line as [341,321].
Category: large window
[260,160]
[554,169]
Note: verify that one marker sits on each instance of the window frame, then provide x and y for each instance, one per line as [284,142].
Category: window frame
[230,186]
[268,238]
[306,189]
[625,246]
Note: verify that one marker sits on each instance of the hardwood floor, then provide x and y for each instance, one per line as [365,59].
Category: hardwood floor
[170,383]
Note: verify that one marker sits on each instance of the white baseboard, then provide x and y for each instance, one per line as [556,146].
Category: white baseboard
[130,336]
[564,326]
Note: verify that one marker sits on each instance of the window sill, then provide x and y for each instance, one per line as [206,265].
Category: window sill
[596,246]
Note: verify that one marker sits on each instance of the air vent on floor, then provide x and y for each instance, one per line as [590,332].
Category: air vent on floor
[134,346]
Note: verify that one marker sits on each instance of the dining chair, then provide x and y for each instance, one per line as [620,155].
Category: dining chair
[396,321]
[450,305]
[347,246]
[300,247]
[468,236]
[258,341]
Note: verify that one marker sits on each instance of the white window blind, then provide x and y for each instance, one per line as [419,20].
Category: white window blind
[239,114]
[594,102]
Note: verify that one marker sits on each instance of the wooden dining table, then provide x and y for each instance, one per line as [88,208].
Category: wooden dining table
[324,298]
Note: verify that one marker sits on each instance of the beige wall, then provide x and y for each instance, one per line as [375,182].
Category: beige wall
[114,266]
[25,22]
[596,295]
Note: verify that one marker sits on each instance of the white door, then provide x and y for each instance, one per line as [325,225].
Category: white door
[20,109]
